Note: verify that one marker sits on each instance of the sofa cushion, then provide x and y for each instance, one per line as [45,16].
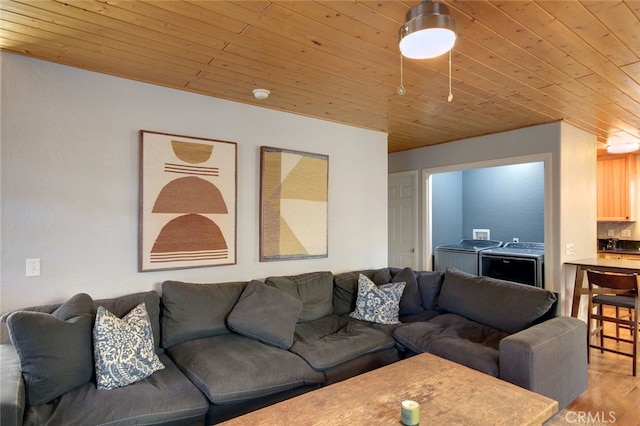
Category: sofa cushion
[193,311]
[55,355]
[120,306]
[504,305]
[382,276]
[266,314]
[314,289]
[345,290]
[54,349]
[471,354]
[166,397]
[333,340]
[252,371]
[455,338]
[422,316]
[377,304]
[417,336]
[429,286]
[411,302]
[79,304]
[124,350]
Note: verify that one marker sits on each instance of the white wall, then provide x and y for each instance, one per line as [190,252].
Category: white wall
[577,206]
[570,178]
[69,181]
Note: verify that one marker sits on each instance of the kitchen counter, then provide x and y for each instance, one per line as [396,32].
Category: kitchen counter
[598,264]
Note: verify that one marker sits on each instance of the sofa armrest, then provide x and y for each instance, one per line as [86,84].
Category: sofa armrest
[549,358]
[12,387]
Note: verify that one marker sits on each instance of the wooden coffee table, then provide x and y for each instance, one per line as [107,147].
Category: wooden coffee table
[448,394]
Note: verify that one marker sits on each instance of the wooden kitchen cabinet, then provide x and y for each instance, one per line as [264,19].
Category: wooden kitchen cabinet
[610,256]
[619,256]
[616,186]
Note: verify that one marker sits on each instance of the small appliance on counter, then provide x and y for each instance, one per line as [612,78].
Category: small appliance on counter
[616,245]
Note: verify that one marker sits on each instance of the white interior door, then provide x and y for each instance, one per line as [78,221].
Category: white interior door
[403,214]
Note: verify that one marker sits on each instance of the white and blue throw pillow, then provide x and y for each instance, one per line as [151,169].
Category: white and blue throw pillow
[123,348]
[378,304]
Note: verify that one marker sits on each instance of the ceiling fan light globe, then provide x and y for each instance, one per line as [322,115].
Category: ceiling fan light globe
[427,43]
[623,148]
[429,31]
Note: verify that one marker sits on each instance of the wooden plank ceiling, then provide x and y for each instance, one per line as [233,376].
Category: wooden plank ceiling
[515,63]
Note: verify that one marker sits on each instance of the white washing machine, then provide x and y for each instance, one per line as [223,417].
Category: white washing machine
[463,255]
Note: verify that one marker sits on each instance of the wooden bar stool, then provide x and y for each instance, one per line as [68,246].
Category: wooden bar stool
[618,291]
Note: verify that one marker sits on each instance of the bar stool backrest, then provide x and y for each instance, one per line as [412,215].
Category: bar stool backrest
[622,283]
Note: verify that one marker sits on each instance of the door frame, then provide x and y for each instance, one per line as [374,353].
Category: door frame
[427,223]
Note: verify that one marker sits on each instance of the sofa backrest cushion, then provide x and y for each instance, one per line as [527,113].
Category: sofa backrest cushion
[383,276]
[121,306]
[345,290]
[429,286]
[504,305]
[54,348]
[267,314]
[193,311]
[314,289]
[55,355]
[411,302]
[79,304]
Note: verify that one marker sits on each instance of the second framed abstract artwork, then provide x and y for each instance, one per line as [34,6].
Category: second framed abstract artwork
[187,202]
[293,204]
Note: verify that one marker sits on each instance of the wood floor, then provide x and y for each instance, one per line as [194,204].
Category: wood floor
[613,396]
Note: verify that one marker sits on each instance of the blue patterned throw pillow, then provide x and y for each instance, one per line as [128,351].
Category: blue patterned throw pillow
[378,304]
[123,348]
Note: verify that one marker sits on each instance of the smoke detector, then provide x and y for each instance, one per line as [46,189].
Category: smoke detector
[261,94]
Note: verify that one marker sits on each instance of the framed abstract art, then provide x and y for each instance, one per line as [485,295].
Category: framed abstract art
[187,212]
[293,204]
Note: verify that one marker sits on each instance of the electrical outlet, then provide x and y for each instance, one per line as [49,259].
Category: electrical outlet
[33,268]
[625,233]
[569,249]
[611,233]
[516,239]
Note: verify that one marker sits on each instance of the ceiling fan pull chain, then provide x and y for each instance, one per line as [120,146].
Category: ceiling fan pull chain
[450,97]
[401,89]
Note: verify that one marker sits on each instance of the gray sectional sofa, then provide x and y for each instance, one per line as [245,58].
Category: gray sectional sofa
[230,348]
